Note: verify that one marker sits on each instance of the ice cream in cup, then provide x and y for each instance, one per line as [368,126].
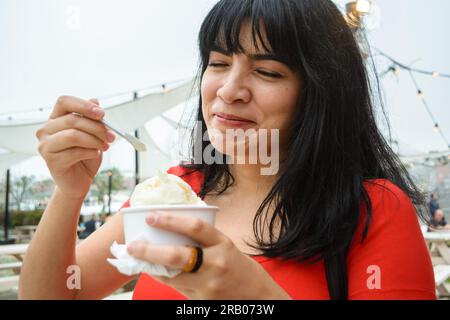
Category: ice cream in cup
[163,192]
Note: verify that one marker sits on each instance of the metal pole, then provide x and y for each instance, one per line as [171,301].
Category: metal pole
[136,157]
[6,222]
[109,191]
[136,153]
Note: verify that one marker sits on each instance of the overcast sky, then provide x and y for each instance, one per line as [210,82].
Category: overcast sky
[97,48]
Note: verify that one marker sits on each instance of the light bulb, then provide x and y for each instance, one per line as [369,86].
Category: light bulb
[363,6]
[436,128]
[420,94]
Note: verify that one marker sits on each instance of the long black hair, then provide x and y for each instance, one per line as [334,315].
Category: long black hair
[336,144]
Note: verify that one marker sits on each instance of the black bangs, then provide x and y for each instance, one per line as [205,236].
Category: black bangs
[221,29]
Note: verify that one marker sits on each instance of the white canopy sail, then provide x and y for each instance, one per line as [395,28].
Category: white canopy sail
[20,137]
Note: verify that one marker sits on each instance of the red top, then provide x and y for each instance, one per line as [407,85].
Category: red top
[392,263]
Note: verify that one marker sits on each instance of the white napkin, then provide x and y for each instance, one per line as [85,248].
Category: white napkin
[129,265]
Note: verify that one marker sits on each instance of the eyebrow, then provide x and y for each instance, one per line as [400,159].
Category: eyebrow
[253,56]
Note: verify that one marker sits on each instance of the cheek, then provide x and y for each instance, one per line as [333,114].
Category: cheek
[208,91]
[278,106]
[209,87]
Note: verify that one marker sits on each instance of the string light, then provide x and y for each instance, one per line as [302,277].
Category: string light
[363,6]
[392,69]
[420,94]
[436,128]
[397,66]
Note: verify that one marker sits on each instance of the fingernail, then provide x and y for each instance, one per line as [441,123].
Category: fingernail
[151,218]
[98,112]
[110,136]
[105,146]
[132,247]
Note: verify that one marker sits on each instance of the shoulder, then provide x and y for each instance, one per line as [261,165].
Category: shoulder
[191,176]
[391,206]
[394,247]
[391,210]
[184,171]
[384,193]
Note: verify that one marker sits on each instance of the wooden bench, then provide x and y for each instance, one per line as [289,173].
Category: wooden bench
[7,283]
[24,234]
[15,250]
[441,274]
[120,296]
[11,265]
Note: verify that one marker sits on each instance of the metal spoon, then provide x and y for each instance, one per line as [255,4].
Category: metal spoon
[136,143]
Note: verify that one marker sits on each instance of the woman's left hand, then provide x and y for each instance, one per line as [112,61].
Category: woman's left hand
[226,273]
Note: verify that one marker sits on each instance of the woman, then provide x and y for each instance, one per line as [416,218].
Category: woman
[336,220]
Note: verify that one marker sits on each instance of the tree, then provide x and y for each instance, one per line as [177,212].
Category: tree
[20,187]
[41,192]
[43,188]
[2,194]
[100,185]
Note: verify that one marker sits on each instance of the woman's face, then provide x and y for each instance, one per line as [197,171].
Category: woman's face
[262,91]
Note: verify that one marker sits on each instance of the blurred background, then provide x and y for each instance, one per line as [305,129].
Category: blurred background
[139,59]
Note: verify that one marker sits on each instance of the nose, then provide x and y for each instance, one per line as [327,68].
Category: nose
[234,88]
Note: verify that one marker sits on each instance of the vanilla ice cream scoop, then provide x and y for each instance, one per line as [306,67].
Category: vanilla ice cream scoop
[165,192]
[164,188]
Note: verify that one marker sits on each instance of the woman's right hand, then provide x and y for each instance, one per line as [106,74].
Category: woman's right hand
[72,145]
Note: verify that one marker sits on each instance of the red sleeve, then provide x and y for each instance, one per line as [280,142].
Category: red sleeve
[126,204]
[393,261]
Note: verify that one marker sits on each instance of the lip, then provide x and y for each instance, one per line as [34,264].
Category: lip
[231,120]
[231,117]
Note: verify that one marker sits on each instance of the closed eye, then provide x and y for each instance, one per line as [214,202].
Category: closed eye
[262,72]
[214,64]
[269,74]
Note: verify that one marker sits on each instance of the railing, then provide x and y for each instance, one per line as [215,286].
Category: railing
[11,282]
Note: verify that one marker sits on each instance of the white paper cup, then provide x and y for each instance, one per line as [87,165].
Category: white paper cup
[134,223]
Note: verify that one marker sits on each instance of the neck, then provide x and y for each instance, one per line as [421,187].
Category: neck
[248,178]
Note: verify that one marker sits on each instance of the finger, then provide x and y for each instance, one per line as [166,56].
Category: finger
[171,256]
[95,101]
[69,157]
[69,104]
[69,138]
[195,228]
[72,121]
[184,282]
